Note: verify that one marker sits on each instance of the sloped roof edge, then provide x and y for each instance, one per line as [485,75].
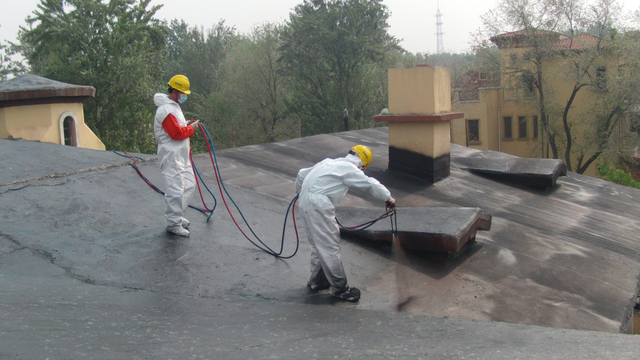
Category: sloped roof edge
[30,87]
[563,42]
[522,33]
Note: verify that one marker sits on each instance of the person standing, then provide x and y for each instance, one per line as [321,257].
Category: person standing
[172,133]
[321,187]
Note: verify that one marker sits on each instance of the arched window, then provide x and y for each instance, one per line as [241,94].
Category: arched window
[68,129]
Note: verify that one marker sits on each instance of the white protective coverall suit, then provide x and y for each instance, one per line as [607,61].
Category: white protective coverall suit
[173,156]
[321,187]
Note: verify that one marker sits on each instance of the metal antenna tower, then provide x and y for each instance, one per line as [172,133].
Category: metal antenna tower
[439,32]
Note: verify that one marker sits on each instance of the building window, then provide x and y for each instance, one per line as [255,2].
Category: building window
[69,129]
[634,122]
[527,83]
[535,127]
[513,59]
[473,131]
[601,79]
[522,127]
[507,128]
[487,76]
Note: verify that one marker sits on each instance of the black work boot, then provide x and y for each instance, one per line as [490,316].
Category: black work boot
[350,294]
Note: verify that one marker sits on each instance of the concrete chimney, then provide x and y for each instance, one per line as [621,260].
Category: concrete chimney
[419,121]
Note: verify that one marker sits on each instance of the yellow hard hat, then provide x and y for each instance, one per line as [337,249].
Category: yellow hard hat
[180,83]
[364,153]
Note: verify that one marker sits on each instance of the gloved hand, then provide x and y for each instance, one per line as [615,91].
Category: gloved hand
[391,203]
[194,123]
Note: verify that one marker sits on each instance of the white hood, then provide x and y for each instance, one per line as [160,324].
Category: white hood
[355,160]
[162,99]
[166,144]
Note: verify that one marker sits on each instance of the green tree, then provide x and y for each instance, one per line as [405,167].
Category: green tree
[178,39]
[256,86]
[330,49]
[7,65]
[617,176]
[200,55]
[115,46]
[617,102]
[458,64]
[4,66]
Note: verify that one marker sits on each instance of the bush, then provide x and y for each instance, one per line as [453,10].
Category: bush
[617,176]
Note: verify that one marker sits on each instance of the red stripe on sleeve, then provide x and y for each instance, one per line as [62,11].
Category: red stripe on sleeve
[175,131]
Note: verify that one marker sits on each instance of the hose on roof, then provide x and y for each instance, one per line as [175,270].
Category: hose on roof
[134,165]
[223,191]
[390,213]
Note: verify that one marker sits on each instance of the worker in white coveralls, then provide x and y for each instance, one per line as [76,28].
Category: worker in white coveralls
[172,132]
[321,187]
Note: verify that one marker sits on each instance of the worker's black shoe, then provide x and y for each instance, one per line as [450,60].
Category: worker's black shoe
[349,294]
[323,284]
[319,282]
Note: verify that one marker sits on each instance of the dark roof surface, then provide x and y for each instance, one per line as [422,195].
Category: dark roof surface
[90,269]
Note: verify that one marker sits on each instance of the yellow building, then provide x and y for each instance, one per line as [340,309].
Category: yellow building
[502,112]
[40,109]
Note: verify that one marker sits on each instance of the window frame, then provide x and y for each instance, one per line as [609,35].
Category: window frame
[504,128]
[522,120]
[75,138]
[477,126]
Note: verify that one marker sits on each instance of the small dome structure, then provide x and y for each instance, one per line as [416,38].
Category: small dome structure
[40,109]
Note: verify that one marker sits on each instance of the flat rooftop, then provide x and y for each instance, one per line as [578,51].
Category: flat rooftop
[88,271]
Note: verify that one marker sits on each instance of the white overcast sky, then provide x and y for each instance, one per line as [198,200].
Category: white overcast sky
[413,21]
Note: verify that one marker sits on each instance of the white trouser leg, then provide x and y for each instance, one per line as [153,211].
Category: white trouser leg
[179,187]
[315,260]
[189,182]
[323,234]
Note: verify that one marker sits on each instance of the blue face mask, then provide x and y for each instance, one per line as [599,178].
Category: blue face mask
[182,98]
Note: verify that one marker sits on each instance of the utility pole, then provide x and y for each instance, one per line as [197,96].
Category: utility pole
[439,32]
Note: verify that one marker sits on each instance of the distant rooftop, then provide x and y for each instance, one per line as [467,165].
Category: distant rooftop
[33,89]
[471,81]
[580,41]
[522,33]
[564,42]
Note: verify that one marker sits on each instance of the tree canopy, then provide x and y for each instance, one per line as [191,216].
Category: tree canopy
[114,46]
[330,49]
[277,82]
[323,70]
